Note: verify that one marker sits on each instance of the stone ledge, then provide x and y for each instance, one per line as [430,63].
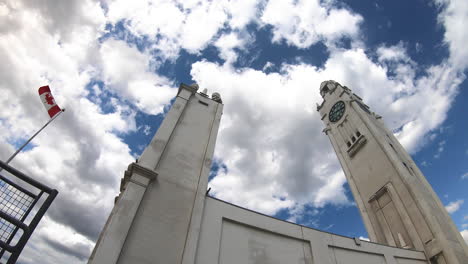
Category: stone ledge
[356,146]
[191,88]
[138,169]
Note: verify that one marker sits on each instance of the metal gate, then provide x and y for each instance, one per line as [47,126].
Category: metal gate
[23,202]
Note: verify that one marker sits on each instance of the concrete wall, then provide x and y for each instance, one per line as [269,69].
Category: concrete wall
[231,234]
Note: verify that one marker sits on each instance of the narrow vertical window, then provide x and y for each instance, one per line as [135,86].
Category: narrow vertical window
[407,168]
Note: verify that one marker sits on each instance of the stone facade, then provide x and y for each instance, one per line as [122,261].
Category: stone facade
[397,204]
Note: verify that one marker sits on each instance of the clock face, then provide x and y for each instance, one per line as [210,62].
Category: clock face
[337,111]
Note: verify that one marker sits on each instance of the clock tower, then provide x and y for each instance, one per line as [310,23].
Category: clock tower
[398,206]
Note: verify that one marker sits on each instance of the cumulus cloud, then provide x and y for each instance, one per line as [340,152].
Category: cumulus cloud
[452,207]
[193,25]
[277,145]
[227,44]
[127,72]
[81,153]
[56,243]
[303,23]
[176,25]
[464,176]
[453,16]
[392,53]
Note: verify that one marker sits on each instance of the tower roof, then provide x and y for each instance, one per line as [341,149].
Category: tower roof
[326,86]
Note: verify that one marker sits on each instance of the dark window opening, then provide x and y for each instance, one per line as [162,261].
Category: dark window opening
[203,103]
[358,134]
[407,168]
[348,143]
[353,138]
[324,90]
[392,147]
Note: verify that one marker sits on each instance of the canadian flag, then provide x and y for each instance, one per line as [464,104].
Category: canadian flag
[48,101]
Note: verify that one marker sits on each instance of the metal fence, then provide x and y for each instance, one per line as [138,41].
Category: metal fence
[23,202]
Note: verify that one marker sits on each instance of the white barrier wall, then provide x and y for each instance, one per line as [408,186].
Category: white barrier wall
[232,235]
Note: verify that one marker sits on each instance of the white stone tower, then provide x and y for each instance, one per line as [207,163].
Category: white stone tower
[397,204]
[157,216]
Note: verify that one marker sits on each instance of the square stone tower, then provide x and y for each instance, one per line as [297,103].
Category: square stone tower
[397,204]
[157,216]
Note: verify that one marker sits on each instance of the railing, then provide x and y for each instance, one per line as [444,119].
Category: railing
[23,202]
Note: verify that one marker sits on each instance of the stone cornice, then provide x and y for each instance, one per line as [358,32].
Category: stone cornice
[138,169]
[190,88]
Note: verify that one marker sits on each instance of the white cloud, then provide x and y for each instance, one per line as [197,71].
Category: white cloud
[266,169]
[176,25]
[268,66]
[146,130]
[303,23]
[127,72]
[56,243]
[392,53]
[242,12]
[464,176]
[80,153]
[228,42]
[452,207]
[440,149]
[418,47]
[192,25]
[364,238]
[200,28]
[454,16]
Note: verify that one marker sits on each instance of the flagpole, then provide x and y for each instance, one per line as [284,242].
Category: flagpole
[31,138]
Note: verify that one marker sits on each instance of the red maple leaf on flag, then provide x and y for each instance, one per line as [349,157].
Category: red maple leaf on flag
[49,99]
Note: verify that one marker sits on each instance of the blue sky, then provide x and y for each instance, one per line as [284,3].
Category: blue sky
[116,65]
